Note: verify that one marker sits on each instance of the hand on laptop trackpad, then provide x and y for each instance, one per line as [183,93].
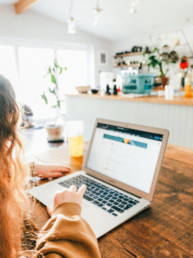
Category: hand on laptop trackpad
[49,206]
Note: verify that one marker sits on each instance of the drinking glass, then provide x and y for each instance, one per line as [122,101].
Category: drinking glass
[75,131]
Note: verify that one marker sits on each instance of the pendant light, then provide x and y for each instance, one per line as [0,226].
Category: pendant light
[71,27]
[71,24]
[134,6]
[97,12]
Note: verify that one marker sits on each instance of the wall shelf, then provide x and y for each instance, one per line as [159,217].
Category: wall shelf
[129,54]
[129,65]
[126,66]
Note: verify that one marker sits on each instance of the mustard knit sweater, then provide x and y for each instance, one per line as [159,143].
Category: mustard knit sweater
[67,235]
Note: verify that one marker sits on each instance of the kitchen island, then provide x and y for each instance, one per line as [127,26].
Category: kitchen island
[175,115]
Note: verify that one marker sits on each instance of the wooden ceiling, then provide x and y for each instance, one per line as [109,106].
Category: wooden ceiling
[23,5]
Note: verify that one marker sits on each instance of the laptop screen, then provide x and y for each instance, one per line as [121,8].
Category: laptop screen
[127,155]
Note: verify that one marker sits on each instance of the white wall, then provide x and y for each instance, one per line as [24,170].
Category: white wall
[164,36]
[34,29]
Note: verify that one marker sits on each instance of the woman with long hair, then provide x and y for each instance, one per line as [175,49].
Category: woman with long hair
[66,234]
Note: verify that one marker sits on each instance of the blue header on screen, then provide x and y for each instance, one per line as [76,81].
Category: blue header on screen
[134,132]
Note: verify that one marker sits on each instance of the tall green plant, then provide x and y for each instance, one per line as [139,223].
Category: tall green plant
[54,71]
[157,59]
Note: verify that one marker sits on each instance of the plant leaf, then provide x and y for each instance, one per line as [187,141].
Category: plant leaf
[44,97]
[58,103]
[55,63]
[52,91]
[49,70]
[53,78]
[155,50]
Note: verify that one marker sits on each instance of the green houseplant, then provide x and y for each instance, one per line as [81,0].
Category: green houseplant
[160,58]
[51,95]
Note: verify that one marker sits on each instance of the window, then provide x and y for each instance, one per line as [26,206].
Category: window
[33,66]
[27,67]
[8,66]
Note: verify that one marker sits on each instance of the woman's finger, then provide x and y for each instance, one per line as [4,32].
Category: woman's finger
[81,190]
[55,174]
[60,169]
[72,188]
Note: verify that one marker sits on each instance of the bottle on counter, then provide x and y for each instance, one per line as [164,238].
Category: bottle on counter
[119,83]
[188,88]
[108,91]
[114,87]
[169,92]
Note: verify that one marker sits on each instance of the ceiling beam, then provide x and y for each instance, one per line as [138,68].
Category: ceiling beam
[23,5]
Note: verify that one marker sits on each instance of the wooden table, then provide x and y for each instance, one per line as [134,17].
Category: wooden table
[164,230]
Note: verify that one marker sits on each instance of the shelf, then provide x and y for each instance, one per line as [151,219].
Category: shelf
[126,66]
[129,54]
[130,65]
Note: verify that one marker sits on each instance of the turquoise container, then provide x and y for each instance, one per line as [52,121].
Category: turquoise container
[139,83]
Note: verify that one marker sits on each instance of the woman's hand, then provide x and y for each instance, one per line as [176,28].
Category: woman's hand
[50,171]
[70,195]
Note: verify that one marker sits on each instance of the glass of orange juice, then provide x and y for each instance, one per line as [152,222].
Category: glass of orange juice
[75,137]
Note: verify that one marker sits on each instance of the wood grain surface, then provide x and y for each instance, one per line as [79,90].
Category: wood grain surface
[165,229]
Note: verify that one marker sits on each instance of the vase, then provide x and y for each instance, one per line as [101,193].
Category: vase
[164,81]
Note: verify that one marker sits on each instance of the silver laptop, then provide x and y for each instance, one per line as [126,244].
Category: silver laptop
[120,170]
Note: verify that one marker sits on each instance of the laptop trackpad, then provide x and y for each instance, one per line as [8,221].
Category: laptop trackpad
[98,219]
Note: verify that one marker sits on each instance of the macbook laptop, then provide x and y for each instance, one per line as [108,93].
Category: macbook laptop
[120,169]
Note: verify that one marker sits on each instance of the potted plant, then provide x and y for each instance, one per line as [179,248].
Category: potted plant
[52,92]
[160,58]
[52,98]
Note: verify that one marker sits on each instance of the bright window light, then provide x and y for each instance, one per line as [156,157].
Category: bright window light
[8,66]
[27,67]
[33,66]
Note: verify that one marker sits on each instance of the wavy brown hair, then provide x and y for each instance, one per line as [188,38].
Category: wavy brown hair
[12,174]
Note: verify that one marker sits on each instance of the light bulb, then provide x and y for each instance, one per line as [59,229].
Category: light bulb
[97,15]
[97,12]
[134,6]
[71,27]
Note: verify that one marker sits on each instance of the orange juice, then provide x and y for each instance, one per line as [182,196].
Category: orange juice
[76,146]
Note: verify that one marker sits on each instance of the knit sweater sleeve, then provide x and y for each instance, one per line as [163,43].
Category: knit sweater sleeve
[67,234]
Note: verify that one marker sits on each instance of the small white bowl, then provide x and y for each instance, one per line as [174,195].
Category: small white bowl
[83,89]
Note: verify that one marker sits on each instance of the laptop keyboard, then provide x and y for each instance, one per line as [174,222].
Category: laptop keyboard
[102,196]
